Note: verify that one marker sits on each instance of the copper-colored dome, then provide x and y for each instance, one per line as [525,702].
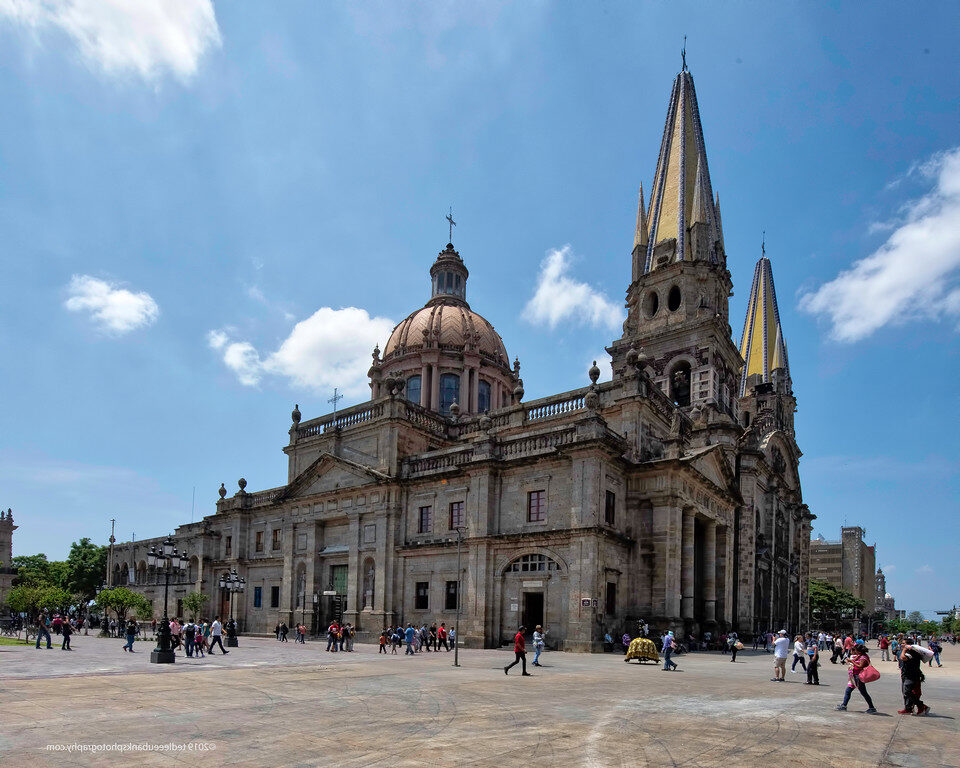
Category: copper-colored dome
[447,324]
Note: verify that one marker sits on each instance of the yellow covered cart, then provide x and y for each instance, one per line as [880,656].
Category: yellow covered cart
[642,648]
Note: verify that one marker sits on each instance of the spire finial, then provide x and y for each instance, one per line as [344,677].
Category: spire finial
[449,218]
[763,244]
[683,53]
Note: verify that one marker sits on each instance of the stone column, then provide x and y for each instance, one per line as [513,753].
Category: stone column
[710,571]
[353,571]
[425,386]
[475,391]
[687,566]
[434,388]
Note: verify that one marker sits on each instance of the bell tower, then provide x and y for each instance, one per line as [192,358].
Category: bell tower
[677,301]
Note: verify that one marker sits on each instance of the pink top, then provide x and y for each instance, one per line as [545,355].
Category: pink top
[854,667]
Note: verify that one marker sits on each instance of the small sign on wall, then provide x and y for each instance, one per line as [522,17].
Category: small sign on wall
[514,607]
[530,584]
[584,602]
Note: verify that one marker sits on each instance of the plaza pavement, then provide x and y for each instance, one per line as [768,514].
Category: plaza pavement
[281,704]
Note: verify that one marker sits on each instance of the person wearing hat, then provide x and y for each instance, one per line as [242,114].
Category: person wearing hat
[781,649]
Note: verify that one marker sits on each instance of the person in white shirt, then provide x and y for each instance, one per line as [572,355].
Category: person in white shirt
[799,651]
[216,636]
[538,635]
[781,647]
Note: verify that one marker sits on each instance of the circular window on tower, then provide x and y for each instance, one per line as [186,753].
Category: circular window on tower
[651,303]
[673,299]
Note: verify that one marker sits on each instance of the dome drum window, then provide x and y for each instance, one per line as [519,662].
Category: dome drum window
[674,299]
[651,303]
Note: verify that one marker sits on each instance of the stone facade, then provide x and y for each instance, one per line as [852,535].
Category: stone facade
[849,564]
[7,571]
[669,493]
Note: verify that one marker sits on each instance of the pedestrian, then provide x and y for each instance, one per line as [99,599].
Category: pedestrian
[395,640]
[332,633]
[911,678]
[935,646]
[538,636]
[669,645]
[189,635]
[351,635]
[520,649]
[341,635]
[216,636]
[452,635]
[625,642]
[442,637]
[131,635]
[799,652]
[884,644]
[781,647]
[284,629]
[409,635]
[858,661]
[200,639]
[67,631]
[735,645]
[813,662]
[42,631]
[153,626]
[383,642]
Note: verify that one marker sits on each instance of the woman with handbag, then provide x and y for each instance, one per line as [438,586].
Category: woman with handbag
[859,672]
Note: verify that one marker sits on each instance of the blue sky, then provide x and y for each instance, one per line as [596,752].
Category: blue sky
[190,204]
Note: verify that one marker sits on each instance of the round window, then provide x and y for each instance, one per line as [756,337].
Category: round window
[651,304]
[673,299]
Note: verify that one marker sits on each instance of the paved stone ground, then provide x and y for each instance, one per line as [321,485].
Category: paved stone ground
[273,704]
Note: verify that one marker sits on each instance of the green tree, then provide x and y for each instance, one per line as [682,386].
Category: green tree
[915,618]
[33,598]
[193,604]
[120,600]
[832,606]
[85,567]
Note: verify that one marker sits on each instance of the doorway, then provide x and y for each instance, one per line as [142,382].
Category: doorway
[532,614]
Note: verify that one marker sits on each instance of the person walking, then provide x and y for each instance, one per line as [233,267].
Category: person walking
[733,643]
[452,636]
[813,661]
[799,652]
[42,631]
[216,636]
[395,640]
[859,659]
[934,645]
[520,649]
[669,645]
[67,630]
[625,642]
[131,635]
[409,635]
[351,633]
[383,642]
[911,677]
[884,644]
[538,635]
[332,632]
[442,637]
[781,647]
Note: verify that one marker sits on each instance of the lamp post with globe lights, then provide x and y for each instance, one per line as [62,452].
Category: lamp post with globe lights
[167,559]
[233,583]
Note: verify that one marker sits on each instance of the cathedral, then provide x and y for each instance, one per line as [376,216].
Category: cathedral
[670,493]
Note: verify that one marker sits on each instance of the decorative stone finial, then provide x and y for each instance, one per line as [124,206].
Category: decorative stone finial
[516,366]
[642,358]
[295,414]
[485,423]
[592,400]
[376,354]
[454,409]
[518,391]
[632,355]
[594,373]
[243,484]
[222,491]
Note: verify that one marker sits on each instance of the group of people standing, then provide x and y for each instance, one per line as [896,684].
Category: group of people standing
[282,630]
[417,639]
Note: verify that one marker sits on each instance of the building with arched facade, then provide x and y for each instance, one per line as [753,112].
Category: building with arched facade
[670,493]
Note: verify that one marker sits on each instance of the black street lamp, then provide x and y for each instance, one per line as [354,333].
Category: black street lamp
[233,583]
[169,561]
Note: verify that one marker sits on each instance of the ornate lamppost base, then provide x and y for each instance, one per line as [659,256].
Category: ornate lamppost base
[162,657]
[232,642]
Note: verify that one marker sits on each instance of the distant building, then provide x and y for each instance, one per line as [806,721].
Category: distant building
[7,571]
[848,564]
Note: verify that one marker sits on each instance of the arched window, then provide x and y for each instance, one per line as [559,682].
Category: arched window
[369,580]
[413,389]
[483,396]
[680,384]
[449,392]
[531,563]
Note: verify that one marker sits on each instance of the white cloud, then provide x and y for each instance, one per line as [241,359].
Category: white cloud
[331,348]
[559,297]
[143,37]
[924,570]
[114,309]
[889,569]
[913,275]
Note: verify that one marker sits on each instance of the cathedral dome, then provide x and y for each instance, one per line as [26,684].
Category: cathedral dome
[447,325]
[444,352]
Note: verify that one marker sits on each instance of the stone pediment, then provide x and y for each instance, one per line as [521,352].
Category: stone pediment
[712,465]
[330,473]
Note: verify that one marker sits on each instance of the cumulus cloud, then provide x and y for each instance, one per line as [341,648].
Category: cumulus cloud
[118,37]
[112,308]
[913,275]
[924,570]
[559,297]
[331,348]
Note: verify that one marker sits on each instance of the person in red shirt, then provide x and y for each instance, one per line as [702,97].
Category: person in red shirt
[520,648]
[884,648]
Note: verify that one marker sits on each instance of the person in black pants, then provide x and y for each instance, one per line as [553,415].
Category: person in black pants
[216,636]
[520,648]
[67,631]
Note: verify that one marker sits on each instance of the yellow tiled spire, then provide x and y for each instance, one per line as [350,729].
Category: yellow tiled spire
[762,346]
[682,179]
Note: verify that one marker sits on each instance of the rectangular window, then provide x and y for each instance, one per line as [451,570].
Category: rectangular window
[611,603]
[450,602]
[257,597]
[274,597]
[456,515]
[426,519]
[610,508]
[536,506]
[258,546]
[276,539]
[228,546]
[421,599]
